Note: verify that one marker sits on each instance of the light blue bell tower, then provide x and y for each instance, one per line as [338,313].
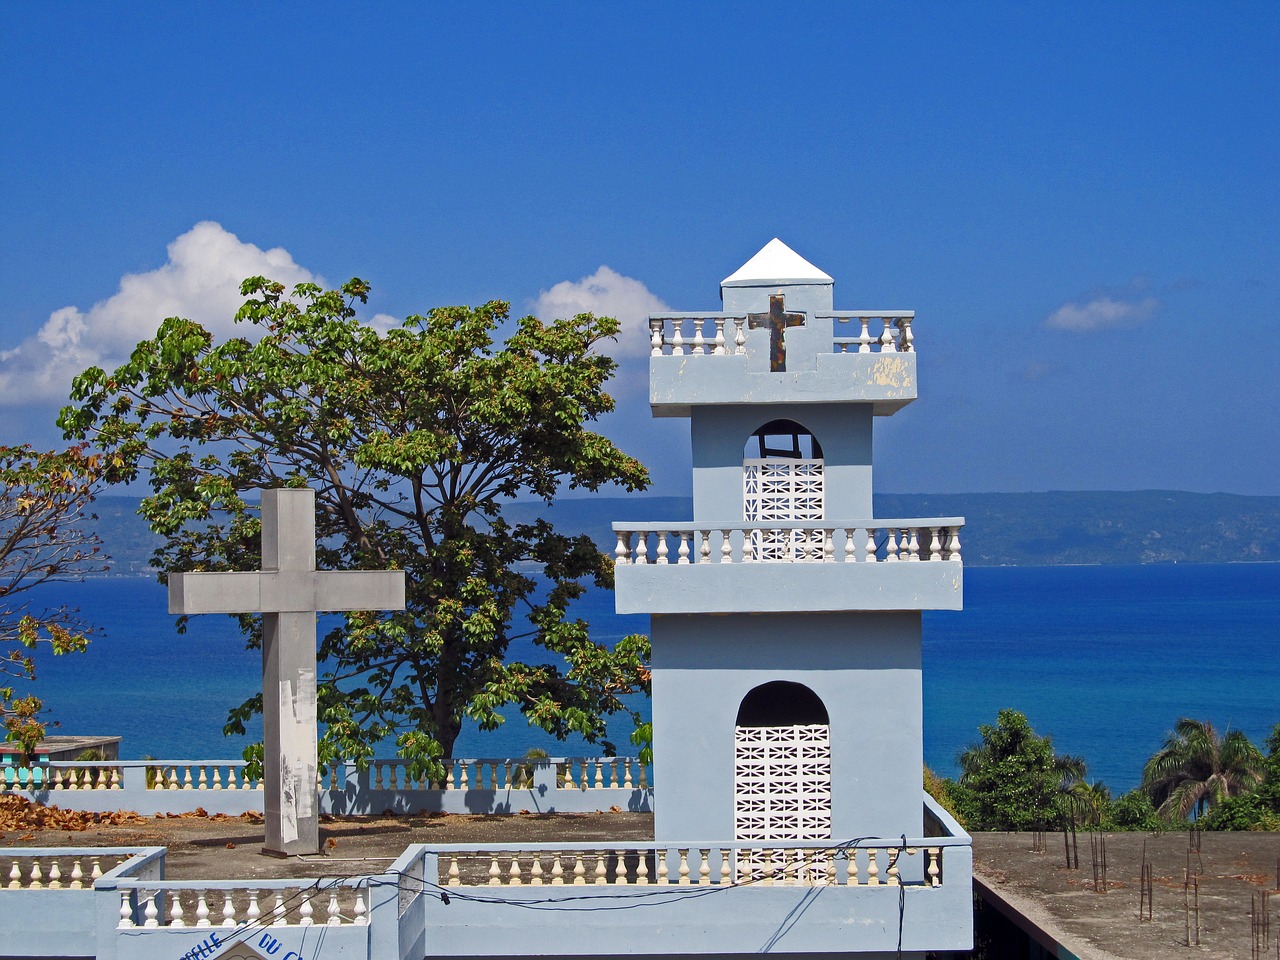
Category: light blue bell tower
[785,618]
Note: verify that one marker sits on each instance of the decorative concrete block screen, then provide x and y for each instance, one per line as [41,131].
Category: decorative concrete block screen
[783,490]
[782,783]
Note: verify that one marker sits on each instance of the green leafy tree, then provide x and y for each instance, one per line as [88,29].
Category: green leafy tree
[1012,779]
[44,502]
[1197,769]
[1134,811]
[414,441]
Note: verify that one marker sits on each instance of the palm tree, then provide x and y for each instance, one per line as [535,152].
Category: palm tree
[1196,769]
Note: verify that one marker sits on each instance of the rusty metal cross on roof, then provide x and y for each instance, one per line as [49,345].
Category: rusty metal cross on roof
[777,320]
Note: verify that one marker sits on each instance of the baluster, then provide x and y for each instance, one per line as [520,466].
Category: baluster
[55,782]
[96,871]
[202,911]
[305,911]
[642,547]
[557,872]
[602,869]
[870,548]
[851,868]
[682,553]
[891,544]
[850,545]
[465,783]
[15,877]
[906,339]
[934,871]
[623,549]
[887,343]
[677,338]
[599,782]
[126,910]
[642,868]
[217,779]
[579,872]
[767,858]
[55,876]
[655,337]
[719,350]
[151,912]
[726,875]
[453,877]
[892,878]
[254,913]
[873,870]
[935,544]
[334,914]
[726,547]
[77,876]
[278,916]
[377,776]
[739,336]
[913,549]
[955,543]
[663,868]
[35,881]
[662,546]
[644,776]
[568,776]
[493,777]
[186,780]
[864,336]
[115,783]
[513,875]
[829,876]
[535,871]
[684,868]
[699,343]
[828,546]
[176,917]
[495,872]
[704,868]
[627,784]
[361,912]
[228,911]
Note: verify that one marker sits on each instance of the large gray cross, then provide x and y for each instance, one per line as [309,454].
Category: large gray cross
[288,592]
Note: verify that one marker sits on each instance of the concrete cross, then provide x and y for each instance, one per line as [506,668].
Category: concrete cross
[777,320]
[288,592]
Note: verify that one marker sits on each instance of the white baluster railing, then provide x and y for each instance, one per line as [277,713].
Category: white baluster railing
[871,863]
[847,541]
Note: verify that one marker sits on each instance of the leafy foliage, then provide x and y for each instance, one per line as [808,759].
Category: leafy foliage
[44,500]
[1259,810]
[1197,769]
[1012,779]
[414,440]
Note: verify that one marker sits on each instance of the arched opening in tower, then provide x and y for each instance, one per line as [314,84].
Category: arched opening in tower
[782,482]
[782,765]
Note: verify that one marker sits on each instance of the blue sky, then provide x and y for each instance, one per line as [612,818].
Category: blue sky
[1078,200]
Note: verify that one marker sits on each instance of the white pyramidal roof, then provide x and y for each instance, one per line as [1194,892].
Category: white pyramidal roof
[777,262]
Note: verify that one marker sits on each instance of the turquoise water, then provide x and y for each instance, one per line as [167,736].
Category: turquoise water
[1104,659]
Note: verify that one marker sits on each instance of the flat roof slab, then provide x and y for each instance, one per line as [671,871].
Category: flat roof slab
[1063,903]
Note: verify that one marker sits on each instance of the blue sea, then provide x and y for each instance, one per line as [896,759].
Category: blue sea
[1104,659]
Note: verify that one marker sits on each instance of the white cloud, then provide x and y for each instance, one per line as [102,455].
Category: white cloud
[1101,313]
[606,293]
[200,281]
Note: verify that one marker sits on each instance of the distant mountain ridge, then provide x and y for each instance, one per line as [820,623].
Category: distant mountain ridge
[1001,529]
